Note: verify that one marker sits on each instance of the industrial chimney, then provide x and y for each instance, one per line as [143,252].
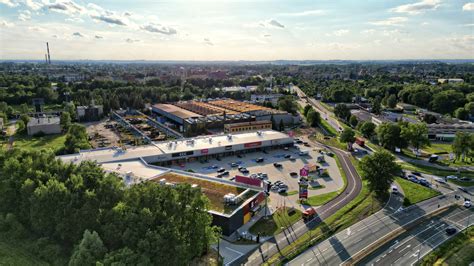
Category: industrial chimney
[49,57]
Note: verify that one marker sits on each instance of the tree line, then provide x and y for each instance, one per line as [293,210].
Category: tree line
[80,215]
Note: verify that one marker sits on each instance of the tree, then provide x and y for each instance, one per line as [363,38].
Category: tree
[76,139]
[4,117]
[353,121]
[274,125]
[347,135]
[71,109]
[392,101]
[25,118]
[287,103]
[90,250]
[379,169]
[447,101]
[461,113]
[376,106]
[306,109]
[367,129]
[342,111]
[281,126]
[23,109]
[470,108]
[313,117]
[462,144]
[20,125]
[416,135]
[389,135]
[65,120]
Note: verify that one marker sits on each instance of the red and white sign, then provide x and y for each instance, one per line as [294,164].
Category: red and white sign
[248,180]
[253,144]
[204,151]
[304,172]
[291,133]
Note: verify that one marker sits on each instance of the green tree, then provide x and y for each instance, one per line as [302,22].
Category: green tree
[389,135]
[4,117]
[447,101]
[287,103]
[23,109]
[416,135]
[306,109]
[25,118]
[353,121]
[470,108]
[76,139]
[313,118]
[90,251]
[347,135]
[342,111]
[70,107]
[461,113]
[368,129]
[379,170]
[392,101]
[462,144]
[376,106]
[281,126]
[65,120]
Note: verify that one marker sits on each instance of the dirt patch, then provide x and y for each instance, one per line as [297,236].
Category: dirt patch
[101,134]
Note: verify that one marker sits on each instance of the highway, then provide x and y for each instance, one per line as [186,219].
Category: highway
[357,240]
[271,247]
[412,245]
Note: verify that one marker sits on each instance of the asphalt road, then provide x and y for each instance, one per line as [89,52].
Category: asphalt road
[271,247]
[357,238]
[412,245]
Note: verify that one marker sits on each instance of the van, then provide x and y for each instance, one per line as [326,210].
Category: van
[303,153]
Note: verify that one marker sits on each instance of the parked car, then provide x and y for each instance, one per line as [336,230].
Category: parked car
[303,153]
[221,170]
[244,171]
[287,156]
[416,173]
[277,165]
[440,180]
[292,158]
[450,231]
[220,175]
[260,160]
[394,189]
[330,154]
[452,177]
[225,173]
[214,166]
[309,214]
[292,174]
[282,190]
[463,189]
[234,165]
[467,204]
[465,179]
[253,176]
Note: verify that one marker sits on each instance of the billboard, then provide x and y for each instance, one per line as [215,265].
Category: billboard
[303,191]
[253,144]
[248,180]
[204,151]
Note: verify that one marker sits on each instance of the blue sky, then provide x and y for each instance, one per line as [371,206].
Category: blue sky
[237,30]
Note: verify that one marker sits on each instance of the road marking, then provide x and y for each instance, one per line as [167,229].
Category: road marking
[308,260]
[348,232]
[238,252]
[404,248]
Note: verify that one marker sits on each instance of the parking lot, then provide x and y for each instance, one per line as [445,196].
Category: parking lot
[321,185]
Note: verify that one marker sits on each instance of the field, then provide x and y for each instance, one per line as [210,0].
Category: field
[415,193]
[273,225]
[54,142]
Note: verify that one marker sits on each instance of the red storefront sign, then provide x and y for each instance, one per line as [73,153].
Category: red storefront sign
[248,180]
[253,144]
[304,172]
[204,151]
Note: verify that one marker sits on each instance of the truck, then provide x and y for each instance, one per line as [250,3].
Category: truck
[360,141]
[309,214]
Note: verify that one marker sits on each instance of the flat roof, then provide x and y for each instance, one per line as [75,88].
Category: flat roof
[167,147]
[137,167]
[43,121]
[176,110]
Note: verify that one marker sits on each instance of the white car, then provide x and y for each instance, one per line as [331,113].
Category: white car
[467,204]
[440,180]
[453,177]
[394,190]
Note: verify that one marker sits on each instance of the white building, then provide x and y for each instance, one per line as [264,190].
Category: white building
[46,125]
[261,98]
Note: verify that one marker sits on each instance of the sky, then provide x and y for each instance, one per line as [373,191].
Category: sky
[237,30]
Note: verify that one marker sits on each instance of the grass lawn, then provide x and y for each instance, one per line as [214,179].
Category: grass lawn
[434,171]
[438,148]
[319,200]
[316,187]
[327,127]
[456,251]
[415,193]
[364,205]
[12,253]
[273,225]
[53,142]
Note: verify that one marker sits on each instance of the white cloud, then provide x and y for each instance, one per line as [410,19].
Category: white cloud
[208,42]
[9,3]
[465,42]
[33,5]
[95,7]
[110,18]
[275,23]
[377,42]
[468,25]
[368,31]
[75,19]
[6,24]
[338,33]
[37,29]
[417,8]
[132,40]
[267,35]
[66,7]
[270,23]
[393,21]
[314,12]
[24,15]
[157,28]
[78,34]
[425,23]
[468,7]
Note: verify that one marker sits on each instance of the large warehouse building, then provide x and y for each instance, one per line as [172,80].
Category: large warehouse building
[232,204]
[190,116]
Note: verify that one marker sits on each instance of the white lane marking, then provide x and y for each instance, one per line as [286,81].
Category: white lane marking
[308,260]
[348,232]
[401,250]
